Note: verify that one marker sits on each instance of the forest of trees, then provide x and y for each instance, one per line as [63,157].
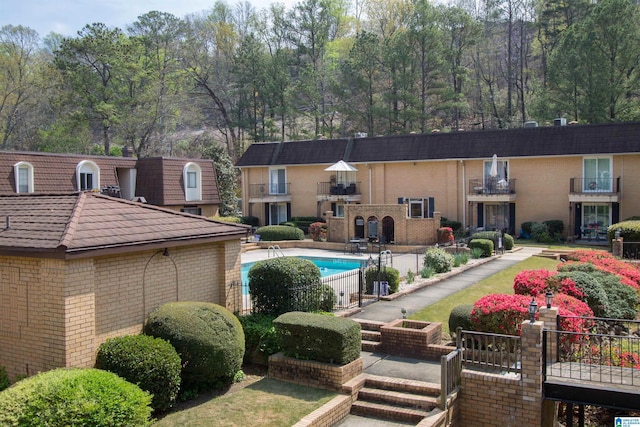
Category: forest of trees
[323,68]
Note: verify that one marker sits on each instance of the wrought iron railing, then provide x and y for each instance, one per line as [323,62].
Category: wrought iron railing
[489,352]
[594,185]
[491,186]
[345,189]
[269,189]
[631,250]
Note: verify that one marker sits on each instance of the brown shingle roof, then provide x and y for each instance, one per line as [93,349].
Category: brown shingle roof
[79,224]
[613,138]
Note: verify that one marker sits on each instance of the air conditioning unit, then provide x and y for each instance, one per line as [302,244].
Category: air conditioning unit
[360,134]
[531,124]
[560,121]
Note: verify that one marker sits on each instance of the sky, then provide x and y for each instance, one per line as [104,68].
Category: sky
[67,17]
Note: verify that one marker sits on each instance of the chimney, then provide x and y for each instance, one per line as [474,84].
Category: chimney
[560,121]
[127,151]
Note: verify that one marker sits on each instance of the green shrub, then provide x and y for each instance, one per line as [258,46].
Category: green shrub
[476,253]
[454,225]
[486,246]
[623,300]
[507,239]
[75,397]
[426,272]
[321,338]
[253,221]
[526,227]
[595,295]
[261,340]
[438,259]
[208,338]
[303,222]
[279,285]
[629,230]
[555,227]
[460,316]
[151,363]
[387,274]
[460,259]
[540,233]
[410,277]
[4,378]
[275,233]
[232,219]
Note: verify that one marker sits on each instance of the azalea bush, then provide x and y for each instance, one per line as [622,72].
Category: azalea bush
[531,282]
[604,261]
[317,230]
[500,313]
[445,236]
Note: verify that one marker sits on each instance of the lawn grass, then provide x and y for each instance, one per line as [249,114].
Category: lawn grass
[265,402]
[499,283]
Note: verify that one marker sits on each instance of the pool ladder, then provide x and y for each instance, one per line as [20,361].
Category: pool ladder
[277,252]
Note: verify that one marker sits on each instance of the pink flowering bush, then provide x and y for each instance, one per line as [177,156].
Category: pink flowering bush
[604,261]
[500,313]
[317,231]
[531,282]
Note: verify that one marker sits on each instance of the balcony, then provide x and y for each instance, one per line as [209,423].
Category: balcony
[492,190]
[331,191]
[603,190]
[269,193]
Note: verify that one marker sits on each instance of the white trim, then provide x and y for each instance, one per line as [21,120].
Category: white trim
[88,167]
[192,193]
[16,174]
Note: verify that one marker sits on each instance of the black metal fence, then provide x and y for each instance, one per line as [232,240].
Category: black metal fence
[336,292]
[631,250]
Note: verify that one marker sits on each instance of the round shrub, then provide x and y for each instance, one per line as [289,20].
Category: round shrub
[531,282]
[387,274]
[485,245]
[208,338]
[74,397]
[438,259]
[594,294]
[275,233]
[460,316]
[540,233]
[500,313]
[151,363]
[507,239]
[278,285]
[623,300]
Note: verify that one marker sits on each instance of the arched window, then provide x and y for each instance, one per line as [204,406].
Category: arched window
[87,176]
[23,174]
[192,177]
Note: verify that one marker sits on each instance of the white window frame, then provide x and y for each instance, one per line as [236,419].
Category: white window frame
[192,185]
[600,183]
[85,168]
[17,168]
[424,207]
[275,186]
[340,210]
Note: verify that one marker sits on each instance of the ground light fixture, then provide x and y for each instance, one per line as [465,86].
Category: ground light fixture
[533,309]
[548,297]
[404,312]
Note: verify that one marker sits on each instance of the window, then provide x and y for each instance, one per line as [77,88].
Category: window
[277,181]
[596,216]
[23,172]
[502,170]
[597,175]
[419,208]
[192,177]
[277,213]
[340,211]
[87,176]
[193,210]
[496,217]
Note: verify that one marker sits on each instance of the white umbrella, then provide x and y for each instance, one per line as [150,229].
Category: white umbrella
[341,166]
[493,172]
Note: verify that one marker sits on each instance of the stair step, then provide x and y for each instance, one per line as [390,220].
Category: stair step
[403,385]
[371,335]
[387,412]
[370,325]
[397,398]
[370,346]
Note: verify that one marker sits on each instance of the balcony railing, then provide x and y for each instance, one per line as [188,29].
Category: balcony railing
[491,186]
[594,185]
[331,188]
[272,189]
[489,352]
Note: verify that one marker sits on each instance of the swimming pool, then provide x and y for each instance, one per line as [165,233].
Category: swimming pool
[327,266]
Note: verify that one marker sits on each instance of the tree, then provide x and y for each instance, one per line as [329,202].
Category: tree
[227,176]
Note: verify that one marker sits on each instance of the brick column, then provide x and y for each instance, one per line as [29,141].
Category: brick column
[531,373]
[617,247]
[548,316]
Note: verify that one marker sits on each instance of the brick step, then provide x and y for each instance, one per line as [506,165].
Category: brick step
[371,335]
[402,384]
[370,325]
[388,412]
[370,346]
[397,398]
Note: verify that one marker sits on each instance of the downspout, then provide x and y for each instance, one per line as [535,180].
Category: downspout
[464,196]
[370,186]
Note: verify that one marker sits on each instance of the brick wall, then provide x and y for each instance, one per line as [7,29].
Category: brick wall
[55,313]
[312,373]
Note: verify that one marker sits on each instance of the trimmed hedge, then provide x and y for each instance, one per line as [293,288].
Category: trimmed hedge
[486,246]
[454,225]
[438,259]
[388,274]
[151,363]
[460,316]
[208,338]
[319,337]
[629,230]
[253,221]
[283,284]
[276,233]
[75,398]
[507,240]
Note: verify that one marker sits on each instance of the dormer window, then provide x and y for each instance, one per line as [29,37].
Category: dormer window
[87,176]
[23,173]
[192,177]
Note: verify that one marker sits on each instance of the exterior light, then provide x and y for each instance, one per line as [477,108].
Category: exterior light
[618,232]
[533,309]
[404,312]
[548,297]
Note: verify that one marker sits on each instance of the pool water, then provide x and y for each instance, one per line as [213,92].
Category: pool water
[327,266]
